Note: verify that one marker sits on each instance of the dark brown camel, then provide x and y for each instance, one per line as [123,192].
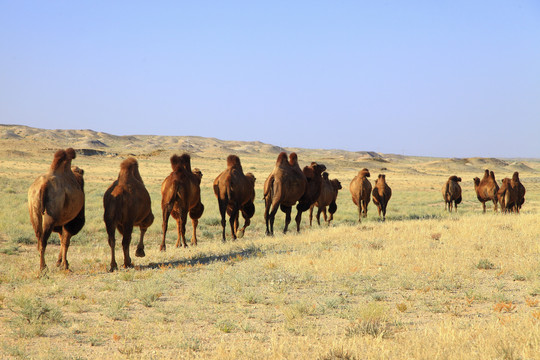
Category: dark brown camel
[451,192]
[127,204]
[235,193]
[486,189]
[381,195]
[360,189]
[180,195]
[282,189]
[520,190]
[314,178]
[56,203]
[328,196]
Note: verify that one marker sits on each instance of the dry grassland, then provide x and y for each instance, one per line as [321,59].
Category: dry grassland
[424,284]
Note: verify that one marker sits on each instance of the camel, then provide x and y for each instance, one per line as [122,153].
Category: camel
[282,189]
[314,178]
[486,189]
[451,192]
[56,203]
[381,195]
[127,204]
[328,196]
[235,193]
[180,195]
[360,189]
[520,190]
[508,196]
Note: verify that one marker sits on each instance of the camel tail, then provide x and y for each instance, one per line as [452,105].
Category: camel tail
[43,198]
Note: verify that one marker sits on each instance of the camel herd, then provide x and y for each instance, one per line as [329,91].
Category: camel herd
[56,199]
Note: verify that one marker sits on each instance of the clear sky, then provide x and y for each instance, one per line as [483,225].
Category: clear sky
[451,78]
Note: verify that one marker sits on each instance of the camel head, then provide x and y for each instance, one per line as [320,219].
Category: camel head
[454,178]
[476,182]
[318,168]
[197,172]
[336,184]
[251,178]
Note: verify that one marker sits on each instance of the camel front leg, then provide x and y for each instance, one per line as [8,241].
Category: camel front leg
[194,223]
[140,246]
[126,241]
[181,227]
[166,213]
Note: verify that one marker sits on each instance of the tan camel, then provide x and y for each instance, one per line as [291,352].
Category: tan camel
[360,189]
[127,204]
[486,189]
[508,196]
[381,195]
[328,196]
[314,178]
[235,193]
[451,192]
[180,195]
[55,200]
[282,189]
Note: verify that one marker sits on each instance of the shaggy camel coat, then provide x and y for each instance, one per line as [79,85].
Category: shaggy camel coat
[381,195]
[282,189]
[487,189]
[127,204]
[235,193]
[314,178]
[328,196]
[451,192]
[56,203]
[180,195]
[360,189]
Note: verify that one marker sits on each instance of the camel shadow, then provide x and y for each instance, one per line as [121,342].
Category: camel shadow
[206,259]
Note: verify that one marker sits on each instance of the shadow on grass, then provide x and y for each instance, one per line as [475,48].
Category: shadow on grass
[206,259]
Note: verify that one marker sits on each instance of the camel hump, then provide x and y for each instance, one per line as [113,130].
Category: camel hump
[59,158]
[282,157]
[70,152]
[129,164]
[233,161]
[293,158]
[492,175]
[325,175]
[515,177]
[182,161]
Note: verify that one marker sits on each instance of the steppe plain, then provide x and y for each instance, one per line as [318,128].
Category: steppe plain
[424,284]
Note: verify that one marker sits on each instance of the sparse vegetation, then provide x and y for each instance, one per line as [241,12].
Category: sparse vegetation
[419,285]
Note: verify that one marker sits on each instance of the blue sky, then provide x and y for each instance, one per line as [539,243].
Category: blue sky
[435,78]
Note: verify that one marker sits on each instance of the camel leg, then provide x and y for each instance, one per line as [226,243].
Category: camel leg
[324,215]
[62,257]
[364,209]
[330,217]
[194,223]
[319,210]
[450,206]
[287,210]
[181,226]
[166,213]
[298,219]
[112,243]
[359,211]
[126,241]
[495,206]
[247,221]
[311,215]
[42,243]
[232,219]
[143,227]
[222,210]
[484,207]
[272,218]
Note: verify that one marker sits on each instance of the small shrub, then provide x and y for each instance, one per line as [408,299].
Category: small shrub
[485,264]
[226,326]
[34,316]
[337,354]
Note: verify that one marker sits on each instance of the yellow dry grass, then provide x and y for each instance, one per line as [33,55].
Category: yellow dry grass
[424,284]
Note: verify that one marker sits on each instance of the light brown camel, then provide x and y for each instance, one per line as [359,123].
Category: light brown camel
[180,195]
[508,196]
[235,193]
[486,189]
[55,200]
[360,189]
[282,189]
[127,204]
[314,178]
[451,192]
[381,195]
[328,196]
